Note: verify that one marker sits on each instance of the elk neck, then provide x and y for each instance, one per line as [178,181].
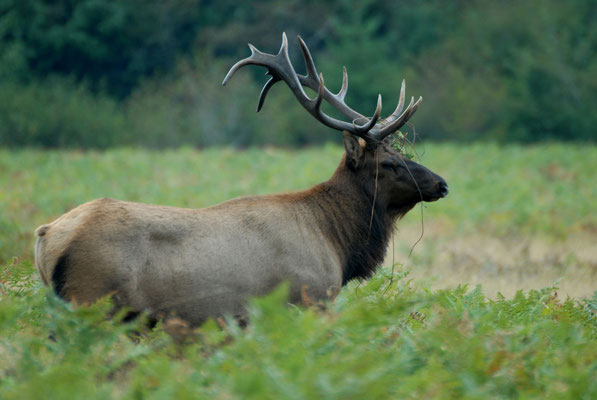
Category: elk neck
[342,208]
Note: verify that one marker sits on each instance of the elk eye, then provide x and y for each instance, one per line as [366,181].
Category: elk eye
[388,165]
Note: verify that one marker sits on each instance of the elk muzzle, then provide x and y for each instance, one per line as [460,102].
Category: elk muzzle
[442,190]
[431,186]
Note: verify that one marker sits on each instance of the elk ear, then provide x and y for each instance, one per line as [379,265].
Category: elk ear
[354,150]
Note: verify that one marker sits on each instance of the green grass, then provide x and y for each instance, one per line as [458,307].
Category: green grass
[384,338]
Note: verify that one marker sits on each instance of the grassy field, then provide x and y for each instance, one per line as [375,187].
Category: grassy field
[516,218]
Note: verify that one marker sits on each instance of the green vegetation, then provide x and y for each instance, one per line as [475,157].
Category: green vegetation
[378,340]
[99,73]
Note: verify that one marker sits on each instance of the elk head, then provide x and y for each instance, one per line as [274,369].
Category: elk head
[370,157]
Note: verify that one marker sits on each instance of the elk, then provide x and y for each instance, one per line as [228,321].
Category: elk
[202,263]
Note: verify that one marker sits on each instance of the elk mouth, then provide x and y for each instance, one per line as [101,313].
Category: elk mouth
[431,199]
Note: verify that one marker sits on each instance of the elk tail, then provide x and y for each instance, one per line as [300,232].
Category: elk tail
[40,233]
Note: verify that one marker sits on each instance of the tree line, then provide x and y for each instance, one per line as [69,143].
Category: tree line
[99,73]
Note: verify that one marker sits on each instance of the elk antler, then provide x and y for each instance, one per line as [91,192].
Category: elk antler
[280,68]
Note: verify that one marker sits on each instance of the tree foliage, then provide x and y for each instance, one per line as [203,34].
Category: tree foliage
[109,44]
[504,71]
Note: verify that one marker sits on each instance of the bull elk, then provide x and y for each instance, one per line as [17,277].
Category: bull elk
[201,263]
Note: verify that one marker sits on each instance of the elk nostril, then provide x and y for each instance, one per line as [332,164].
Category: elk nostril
[443,189]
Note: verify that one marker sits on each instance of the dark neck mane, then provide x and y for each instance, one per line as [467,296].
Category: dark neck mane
[345,218]
[366,250]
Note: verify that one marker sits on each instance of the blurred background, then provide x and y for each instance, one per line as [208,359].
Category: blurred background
[102,73]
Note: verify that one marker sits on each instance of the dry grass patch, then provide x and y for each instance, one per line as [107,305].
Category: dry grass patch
[503,264]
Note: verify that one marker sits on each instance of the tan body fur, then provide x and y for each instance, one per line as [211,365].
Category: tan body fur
[195,263]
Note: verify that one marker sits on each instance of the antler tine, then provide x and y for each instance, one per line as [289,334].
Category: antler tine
[359,130]
[414,108]
[398,122]
[320,93]
[310,80]
[309,63]
[245,61]
[386,130]
[342,92]
[274,79]
[254,59]
[268,85]
[399,107]
[371,123]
